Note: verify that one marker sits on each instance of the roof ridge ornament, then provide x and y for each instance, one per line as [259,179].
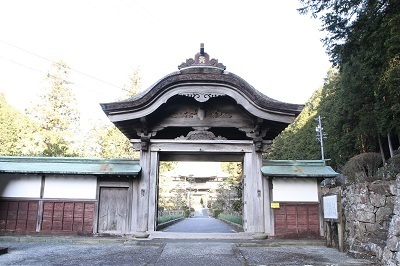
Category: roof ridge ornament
[201,59]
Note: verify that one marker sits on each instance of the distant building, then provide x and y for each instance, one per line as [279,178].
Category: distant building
[198,180]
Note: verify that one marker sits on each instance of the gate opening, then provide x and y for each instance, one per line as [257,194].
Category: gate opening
[199,189]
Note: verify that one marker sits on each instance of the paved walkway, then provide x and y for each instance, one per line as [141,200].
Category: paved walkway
[32,251]
[200,224]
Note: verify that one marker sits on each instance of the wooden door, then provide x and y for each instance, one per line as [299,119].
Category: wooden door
[297,221]
[113,210]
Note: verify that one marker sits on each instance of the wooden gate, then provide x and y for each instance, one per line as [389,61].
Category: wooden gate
[297,221]
[113,210]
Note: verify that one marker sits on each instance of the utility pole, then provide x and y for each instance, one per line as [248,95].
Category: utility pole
[320,135]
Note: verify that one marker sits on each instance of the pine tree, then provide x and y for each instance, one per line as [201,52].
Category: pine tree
[57,114]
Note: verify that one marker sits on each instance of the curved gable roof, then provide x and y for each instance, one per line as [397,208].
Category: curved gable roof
[202,78]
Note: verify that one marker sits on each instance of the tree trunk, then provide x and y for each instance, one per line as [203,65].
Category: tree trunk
[381,150]
[390,145]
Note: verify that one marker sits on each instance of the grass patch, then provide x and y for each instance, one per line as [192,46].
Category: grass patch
[167,218]
[231,218]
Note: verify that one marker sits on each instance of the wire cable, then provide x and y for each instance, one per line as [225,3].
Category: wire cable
[44,58]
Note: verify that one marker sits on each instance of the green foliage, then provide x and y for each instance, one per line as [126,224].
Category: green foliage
[216,212]
[135,84]
[167,218]
[106,141]
[231,218]
[393,166]
[230,194]
[298,140]
[57,115]
[363,167]
[361,99]
[17,132]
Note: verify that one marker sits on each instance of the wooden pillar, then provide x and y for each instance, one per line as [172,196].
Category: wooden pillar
[143,195]
[268,211]
[253,193]
[153,191]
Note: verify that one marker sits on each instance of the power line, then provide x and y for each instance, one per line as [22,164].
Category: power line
[44,58]
[43,72]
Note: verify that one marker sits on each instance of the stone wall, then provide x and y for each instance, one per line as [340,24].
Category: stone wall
[391,253]
[371,214]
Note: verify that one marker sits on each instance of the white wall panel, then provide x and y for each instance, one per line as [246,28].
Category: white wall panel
[295,190]
[70,187]
[20,186]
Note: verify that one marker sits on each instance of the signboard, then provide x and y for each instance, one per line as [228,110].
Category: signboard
[275,205]
[330,207]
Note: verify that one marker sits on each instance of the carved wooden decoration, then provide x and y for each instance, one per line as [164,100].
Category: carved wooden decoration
[201,97]
[201,134]
[202,59]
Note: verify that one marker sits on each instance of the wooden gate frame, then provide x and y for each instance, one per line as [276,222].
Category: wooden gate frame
[256,212]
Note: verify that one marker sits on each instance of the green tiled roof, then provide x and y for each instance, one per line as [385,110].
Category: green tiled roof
[69,166]
[297,168]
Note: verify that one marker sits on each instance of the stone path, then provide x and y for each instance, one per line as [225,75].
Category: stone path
[200,224]
[30,251]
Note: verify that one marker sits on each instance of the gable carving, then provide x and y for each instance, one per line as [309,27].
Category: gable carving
[201,97]
[188,113]
[202,134]
[217,114]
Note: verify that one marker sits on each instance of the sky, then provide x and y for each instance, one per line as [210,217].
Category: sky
[267,43]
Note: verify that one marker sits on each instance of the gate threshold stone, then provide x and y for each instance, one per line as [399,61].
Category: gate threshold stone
[177,235]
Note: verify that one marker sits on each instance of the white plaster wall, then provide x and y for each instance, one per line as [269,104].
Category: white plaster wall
[70,187]
[295,190]
[20,186]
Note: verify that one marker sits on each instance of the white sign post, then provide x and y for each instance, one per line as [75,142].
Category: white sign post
[333,214]
[330,207]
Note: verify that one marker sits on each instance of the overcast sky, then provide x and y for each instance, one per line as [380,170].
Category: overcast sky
[266,42]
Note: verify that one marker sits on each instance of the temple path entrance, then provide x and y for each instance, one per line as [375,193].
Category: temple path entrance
[200,224]
[197,192]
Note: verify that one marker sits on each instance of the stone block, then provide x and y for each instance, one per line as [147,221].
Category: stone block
[365,216]
[387,255]
[398,258]
[372,228]
[394,229]
[397,206]
[383,214]
[379,187]
[392,243]
[377,200]
[365,207]
[393,188]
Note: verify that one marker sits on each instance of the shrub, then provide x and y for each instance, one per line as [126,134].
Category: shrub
[216,212]
[231,218]
[188,212]
[394,165]
[167,218]
[362,167]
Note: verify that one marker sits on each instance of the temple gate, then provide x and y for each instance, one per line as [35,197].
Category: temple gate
[201,112]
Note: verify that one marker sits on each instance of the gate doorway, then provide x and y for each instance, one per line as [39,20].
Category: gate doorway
[200,190]
[113,210]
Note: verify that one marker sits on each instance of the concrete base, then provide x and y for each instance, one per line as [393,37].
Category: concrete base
[142,235]
[259,236]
